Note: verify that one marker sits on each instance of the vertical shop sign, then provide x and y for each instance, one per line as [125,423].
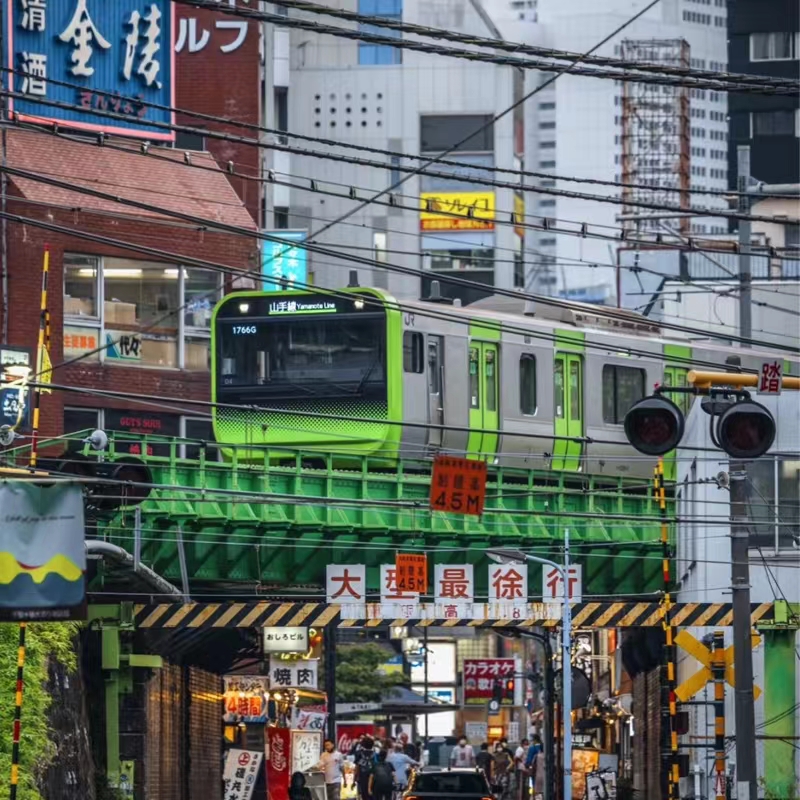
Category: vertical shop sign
[278,753]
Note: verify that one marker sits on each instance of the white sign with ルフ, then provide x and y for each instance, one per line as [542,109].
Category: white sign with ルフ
[553,585]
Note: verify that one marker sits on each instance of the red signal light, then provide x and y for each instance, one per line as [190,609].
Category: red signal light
[746,430]
[654,425]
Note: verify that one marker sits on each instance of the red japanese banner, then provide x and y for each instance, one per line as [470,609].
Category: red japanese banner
[348,733]
[482,675]
[278,761]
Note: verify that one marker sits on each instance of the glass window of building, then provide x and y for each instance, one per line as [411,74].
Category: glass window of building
[374,54]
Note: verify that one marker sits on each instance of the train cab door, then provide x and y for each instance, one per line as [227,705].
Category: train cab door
[484,406]
[435,390]
[568,410]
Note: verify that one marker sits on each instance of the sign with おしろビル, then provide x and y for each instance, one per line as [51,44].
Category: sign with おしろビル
[92,64]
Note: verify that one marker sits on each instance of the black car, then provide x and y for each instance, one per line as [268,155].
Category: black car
[444,784]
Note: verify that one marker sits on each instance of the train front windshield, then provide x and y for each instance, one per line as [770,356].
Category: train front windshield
[295,355]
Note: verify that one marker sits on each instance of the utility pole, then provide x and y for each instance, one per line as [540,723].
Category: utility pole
[745,234]
[742,649]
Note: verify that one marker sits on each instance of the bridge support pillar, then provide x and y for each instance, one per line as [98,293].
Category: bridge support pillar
[780,659]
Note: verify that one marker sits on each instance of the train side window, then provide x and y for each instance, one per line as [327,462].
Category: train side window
[412,352]
[474,378]
[527,384]
[622,387]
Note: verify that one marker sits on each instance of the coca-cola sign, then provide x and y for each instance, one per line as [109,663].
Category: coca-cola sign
[278,763]
[348,733]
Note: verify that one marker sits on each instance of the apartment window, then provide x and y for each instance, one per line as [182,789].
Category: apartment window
[778,46]
[775,502]
[548,203]
[622,387]
[546,106]
[280,216]
[282,111]
[547,165]
[132,309]
[773,123]
[199,429]
[547,126]
[185,140]
[478,258]
[527,384]
[394,171]
[375,54]
[442,132]
[547,145]
[412,352]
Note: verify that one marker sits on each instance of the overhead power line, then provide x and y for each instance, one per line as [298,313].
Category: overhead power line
[527,49]
[209,224]
[281,134]
[480,57]
[513,217]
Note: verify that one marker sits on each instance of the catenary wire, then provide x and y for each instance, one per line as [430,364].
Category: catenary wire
[285,134]
[519,47]
[312,247]
[422,312]
[478,56]
[469,179]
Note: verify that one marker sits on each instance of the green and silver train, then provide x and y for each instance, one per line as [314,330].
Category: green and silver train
[357,373]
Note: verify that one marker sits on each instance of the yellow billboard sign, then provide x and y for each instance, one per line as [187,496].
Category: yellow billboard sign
[456,211]
[519,214]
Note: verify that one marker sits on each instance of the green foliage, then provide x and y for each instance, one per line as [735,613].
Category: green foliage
[769,794]
[43,641]
[358,679]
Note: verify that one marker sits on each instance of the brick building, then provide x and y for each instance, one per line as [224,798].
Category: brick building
[101,293]
[155,309]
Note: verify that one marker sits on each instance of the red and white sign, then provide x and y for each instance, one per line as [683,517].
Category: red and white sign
[348,733]
[482,674]
[553,586]
[508,583]
[454,583]
[389,591]
[770,378]
[278,762]
[346,583]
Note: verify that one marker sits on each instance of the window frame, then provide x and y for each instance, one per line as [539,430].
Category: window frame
[413,353]
[771,42]
[615,385]
[528,358]
[185,332]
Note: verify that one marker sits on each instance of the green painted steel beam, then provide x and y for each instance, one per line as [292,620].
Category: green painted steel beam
[779,712]
[290,520]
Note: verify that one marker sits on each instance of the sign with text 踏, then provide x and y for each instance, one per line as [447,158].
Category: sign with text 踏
[92,64]
[458,485]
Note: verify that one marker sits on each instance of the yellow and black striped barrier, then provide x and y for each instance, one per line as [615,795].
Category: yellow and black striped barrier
[176,616]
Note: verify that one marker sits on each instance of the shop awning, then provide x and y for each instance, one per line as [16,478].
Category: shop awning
[160,178]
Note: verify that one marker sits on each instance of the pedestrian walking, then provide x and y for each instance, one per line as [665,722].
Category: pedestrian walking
[484,761]
[521,773]
[462,754]
[502,766]
[401,763]
[381,782]
[365,763]
[330,762]
[409,748]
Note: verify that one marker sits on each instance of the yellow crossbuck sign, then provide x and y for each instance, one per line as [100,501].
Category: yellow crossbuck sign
[690,687]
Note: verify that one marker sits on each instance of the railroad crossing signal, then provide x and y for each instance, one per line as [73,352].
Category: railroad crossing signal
[690,687]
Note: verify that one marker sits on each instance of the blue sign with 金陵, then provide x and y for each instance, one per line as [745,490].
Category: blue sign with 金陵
[285,264]
[95,57]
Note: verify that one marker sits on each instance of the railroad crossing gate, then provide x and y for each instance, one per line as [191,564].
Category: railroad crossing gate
[548,615]
[690,687]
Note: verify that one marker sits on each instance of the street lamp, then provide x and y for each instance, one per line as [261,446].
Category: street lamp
[507,556]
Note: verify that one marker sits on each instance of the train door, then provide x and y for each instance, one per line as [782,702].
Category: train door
[568,402]
[435,389]
[484,410]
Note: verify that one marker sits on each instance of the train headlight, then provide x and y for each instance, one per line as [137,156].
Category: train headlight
[746,430]
[654,425]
